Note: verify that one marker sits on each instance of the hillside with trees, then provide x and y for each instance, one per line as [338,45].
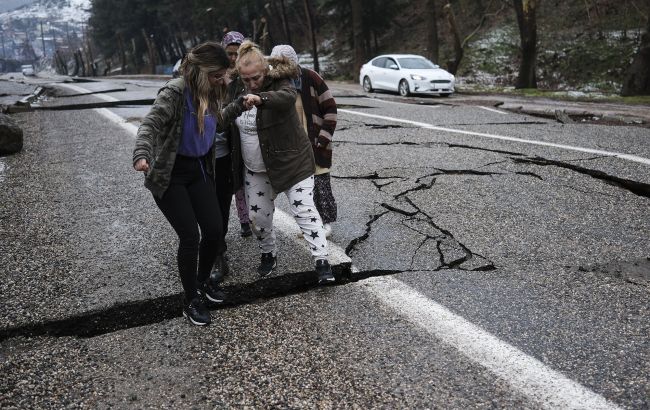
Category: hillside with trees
[552,44]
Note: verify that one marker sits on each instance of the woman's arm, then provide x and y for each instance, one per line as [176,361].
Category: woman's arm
[162,111]
[282,99]
[230,113]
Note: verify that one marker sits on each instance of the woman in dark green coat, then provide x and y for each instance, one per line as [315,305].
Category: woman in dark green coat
[175,148]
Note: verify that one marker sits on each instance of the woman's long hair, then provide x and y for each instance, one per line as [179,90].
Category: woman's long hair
[250,53]
[201,60]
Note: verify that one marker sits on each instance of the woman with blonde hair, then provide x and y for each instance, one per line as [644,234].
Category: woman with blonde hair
[175,148]
[272,152]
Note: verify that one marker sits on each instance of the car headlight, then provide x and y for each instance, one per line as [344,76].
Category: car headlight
[417,77]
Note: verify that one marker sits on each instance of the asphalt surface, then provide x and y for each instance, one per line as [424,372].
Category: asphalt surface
[543,247]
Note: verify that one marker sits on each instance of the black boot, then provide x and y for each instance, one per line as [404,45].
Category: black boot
[220,269]
[324,271]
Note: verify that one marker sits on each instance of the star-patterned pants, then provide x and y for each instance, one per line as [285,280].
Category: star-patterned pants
[261,207]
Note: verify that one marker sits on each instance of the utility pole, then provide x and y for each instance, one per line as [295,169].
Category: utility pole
[42,39]
[67,35]
[2,36]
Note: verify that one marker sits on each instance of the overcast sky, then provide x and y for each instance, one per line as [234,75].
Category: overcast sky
[6,5]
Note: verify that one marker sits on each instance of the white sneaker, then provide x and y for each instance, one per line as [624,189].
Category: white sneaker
[328,230]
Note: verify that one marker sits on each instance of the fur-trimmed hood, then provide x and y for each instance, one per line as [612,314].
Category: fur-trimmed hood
[282,67]
[279,67]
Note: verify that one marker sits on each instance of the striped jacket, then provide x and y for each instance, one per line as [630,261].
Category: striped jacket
[320,110]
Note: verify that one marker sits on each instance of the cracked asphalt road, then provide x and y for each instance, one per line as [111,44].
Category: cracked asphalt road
[545,248]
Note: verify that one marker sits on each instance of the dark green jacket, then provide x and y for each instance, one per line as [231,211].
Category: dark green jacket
[286,150]
[160,133]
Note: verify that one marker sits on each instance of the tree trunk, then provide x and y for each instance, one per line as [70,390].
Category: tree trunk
[432,31]
[151,52]
[525,10]
[92,68]
[135,55]
[120,43]
[637,81]
[452,66]
[357,36]
[285,22]
[180,41]
[312,32]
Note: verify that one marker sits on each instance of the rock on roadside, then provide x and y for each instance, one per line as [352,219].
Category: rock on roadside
[11,136]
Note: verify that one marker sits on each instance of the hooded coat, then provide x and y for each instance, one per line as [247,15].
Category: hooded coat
[286,150]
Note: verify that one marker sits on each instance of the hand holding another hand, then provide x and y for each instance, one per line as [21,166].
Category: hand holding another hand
[251,100]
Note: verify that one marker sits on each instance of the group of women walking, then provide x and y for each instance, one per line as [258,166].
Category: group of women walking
[253,129]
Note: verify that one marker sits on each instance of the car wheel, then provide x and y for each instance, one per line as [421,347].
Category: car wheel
[445,94]
[404,89]
[367,85]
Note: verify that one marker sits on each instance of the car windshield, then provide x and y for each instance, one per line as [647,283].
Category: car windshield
[416,63]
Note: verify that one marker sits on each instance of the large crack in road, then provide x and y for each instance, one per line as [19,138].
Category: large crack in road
[452,253]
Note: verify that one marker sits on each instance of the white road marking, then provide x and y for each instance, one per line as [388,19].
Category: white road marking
[81,90]
[132,129]
[492,110]
[401,103]
[628,157]
[529,376]
[524,373]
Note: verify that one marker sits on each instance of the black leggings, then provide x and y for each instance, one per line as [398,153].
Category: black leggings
[223,184]
[189,200]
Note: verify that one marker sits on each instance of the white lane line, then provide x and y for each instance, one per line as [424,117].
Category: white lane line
[628,157]
[81,90]
[401,103]
[492,110]
[132,129]
[524,373]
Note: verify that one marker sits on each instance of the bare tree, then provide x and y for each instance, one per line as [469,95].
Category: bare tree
[285,22]
[358,35]
[120,43]
[432,31]
[459,45]
[151,52]
[526,10]
[637,81]
[312,32]
[452,65]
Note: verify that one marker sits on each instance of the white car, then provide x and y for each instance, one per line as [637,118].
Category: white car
[407,74]
[27,70]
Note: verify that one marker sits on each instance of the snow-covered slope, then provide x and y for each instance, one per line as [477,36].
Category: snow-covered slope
[54,11]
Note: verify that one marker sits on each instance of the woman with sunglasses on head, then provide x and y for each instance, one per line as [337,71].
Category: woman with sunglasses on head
[175,148]
[276,154]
